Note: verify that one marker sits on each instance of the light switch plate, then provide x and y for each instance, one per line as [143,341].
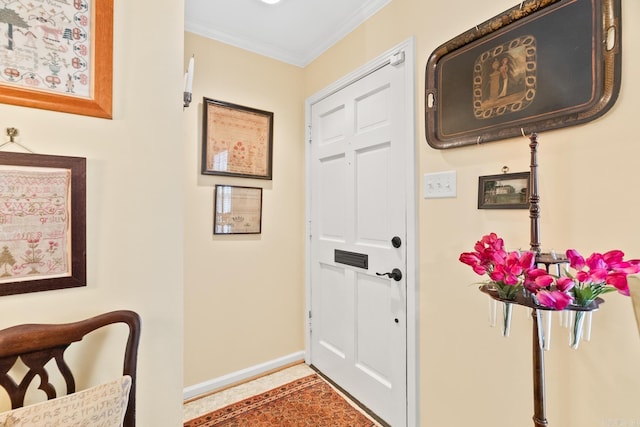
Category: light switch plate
[439,185]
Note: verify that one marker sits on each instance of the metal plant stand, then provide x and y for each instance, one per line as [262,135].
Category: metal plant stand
[549,261]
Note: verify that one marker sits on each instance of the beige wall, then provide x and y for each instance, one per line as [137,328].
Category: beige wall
[244,294]
[134,202]
[469,374]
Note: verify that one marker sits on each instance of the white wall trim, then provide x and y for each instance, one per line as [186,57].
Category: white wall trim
[241,375]
[300,56]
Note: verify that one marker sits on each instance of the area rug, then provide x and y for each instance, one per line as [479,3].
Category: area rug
[308,401]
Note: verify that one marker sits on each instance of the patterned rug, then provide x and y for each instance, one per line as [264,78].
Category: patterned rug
[308,401]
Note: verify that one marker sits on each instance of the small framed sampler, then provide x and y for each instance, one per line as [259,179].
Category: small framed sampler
[42,222]
[504,191]
[238,210]
[236,140]
[58,55]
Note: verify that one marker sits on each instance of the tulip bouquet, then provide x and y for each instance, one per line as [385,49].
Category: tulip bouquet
[507,271]
[515,273]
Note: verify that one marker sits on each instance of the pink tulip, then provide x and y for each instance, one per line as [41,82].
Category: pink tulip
[598,275]
[564,284]
[469,258]
[489,253]
[502,273]
[613,257]
[492,241]
[554,299]
[627,267]
[619,281]
[596,262]
[472,259]
[527,260]
[536,279]
[576,261]
[635,263]
[497,275]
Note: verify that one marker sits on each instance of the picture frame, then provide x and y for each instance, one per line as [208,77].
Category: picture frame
[504,191]
[237,210]
[71,45]
[236,140]
[541,65]
[42,222]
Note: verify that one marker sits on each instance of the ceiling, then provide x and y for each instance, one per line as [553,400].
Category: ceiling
[292,31]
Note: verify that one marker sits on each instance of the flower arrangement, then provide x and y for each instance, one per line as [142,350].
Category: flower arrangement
[516,275]
[511,272]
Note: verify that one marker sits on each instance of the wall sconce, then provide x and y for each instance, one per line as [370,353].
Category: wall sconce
[188,83]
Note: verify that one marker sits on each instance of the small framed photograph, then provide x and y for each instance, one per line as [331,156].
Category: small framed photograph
[236,140]
[238,210]
[42,222]
[504,191]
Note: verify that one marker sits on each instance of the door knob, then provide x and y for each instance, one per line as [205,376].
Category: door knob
[396,242]
[395,274]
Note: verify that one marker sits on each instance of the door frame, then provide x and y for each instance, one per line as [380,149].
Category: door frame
[413,372]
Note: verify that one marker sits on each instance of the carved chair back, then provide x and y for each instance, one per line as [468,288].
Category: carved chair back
[35,345]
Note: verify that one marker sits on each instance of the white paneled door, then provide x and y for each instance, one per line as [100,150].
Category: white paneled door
[358,256]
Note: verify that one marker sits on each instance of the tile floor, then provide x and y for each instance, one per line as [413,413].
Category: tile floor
[200,406]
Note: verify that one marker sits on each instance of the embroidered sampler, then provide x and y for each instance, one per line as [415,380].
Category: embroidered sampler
[47,45]
[35,223]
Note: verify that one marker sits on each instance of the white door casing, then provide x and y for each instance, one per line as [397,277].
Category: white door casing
[362,332]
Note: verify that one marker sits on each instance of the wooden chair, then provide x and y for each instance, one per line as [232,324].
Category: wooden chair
[37,344]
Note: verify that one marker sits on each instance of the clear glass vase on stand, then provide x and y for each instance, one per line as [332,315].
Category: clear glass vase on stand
[577,326]
[580,328]
[493,310]
[544,328]
[507,309]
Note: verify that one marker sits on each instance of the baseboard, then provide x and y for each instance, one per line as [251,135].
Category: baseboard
[241,376]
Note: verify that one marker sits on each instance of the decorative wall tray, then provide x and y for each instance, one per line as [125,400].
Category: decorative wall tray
[543,64]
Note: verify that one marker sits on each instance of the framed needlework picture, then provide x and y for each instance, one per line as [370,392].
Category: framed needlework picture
[543,64]
[42,222]
[236,140]
[58,55]
[237,210]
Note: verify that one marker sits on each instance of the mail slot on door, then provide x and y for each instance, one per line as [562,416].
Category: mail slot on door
[353,259]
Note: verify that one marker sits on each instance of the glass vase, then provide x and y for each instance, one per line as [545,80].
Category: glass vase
[493,310]
[577,329]
[507,308]
[587,326]
[543,318]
